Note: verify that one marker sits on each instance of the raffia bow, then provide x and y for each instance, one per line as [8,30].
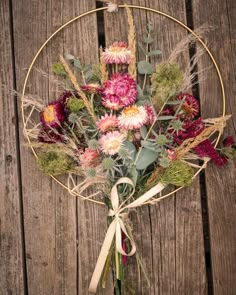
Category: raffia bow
[117,226]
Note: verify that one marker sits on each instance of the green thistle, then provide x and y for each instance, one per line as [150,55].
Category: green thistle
[162,140]
[91,172]
[74,105]
[124,153]
[177,125]
[178,174]
[164,162]
[108,163]
[54,162]
[73,118]
[58,69]
[166,81]
[93,144]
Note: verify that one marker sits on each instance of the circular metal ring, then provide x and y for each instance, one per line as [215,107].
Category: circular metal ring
[134,7]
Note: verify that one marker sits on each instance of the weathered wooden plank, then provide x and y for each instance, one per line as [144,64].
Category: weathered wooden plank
[50,214]
[220,182]
[11,266]
[169,235]
[91,217]
[56,269]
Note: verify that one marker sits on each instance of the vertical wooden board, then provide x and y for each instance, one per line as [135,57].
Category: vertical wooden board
[50,213]
[169,235]
[220,182]
[72,245]
[11,262]
[91,217]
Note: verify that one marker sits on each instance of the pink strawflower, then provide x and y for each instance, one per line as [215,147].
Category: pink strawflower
[150,113]
[206,149]
[89,158]
[117,53]
[190,106]
[107,123]
[111,142]
[119,92]
[53,115]
[171,154]
[133,117]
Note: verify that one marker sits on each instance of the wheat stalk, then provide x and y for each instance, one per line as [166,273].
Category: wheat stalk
[132,43]
[218,125]
[77,87]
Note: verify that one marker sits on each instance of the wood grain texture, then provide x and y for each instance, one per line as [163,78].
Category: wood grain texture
[11,263]
[220,183]
[63,259]
[169,235]
[50,213]
[64,235]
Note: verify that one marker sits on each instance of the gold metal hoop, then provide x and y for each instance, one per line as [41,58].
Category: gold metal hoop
[141,8]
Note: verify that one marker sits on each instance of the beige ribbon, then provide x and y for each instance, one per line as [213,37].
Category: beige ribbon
[118,226]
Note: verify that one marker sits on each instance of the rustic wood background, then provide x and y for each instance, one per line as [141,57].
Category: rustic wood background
[49,241]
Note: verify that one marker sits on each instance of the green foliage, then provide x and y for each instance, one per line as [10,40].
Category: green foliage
[108,163]
[154,53]
[74,105]
[58,69]
[146,157]
[148,40]
[167,80]
[144,67]
[178,174]
[133,175]
[54,162]
[164,162]
[177,125]
[93,144]
[73,118]
[91,172]
[124,153]
[162,139]
[131,148]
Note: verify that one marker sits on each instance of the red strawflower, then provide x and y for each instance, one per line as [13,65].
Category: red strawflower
[228,141]
[53,115]
[207,149]
[191,129]
[190,106]
[65,95]
[48,135]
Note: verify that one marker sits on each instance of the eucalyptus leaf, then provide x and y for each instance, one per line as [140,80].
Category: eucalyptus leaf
[162,118]
[131,148]
[69,56]
[87,68]
[142,49]
[145,67]
[174,102]
[134,175]
[146,157]
[77,64]
[143,131]
[148,40]
[140,91]
[154,53]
